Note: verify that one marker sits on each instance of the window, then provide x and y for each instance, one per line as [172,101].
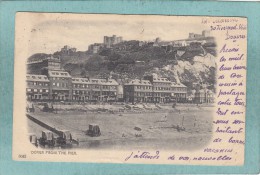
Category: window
[40,90]
[53,84]
[35,90]
[58,84]
[47,90]
[34,83]
[29,90]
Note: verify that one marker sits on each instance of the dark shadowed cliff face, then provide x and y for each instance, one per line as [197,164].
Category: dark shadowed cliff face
[38,57]
[187,65]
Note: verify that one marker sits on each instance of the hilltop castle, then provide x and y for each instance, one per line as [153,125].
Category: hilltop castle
[109,41]
[205,33]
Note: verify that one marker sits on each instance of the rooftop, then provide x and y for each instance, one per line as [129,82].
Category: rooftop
[161,80]
[177,85]
[62,74]
[94,81]
[33,77]
[139,82]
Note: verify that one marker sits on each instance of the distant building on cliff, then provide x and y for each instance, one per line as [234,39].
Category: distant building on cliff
[68,50]
[205,33]
[180,43]
[95,48]
[110,41]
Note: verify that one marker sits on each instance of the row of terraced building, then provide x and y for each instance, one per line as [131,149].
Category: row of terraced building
[47,81]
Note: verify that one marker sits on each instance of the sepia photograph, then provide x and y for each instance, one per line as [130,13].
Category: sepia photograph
[128,87]
[131,83]
[110,88]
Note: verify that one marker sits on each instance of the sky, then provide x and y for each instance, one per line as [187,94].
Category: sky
[49,32]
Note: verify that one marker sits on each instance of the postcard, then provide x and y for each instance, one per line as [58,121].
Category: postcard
[145,89]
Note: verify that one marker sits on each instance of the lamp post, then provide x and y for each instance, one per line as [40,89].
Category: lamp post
[53,99]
